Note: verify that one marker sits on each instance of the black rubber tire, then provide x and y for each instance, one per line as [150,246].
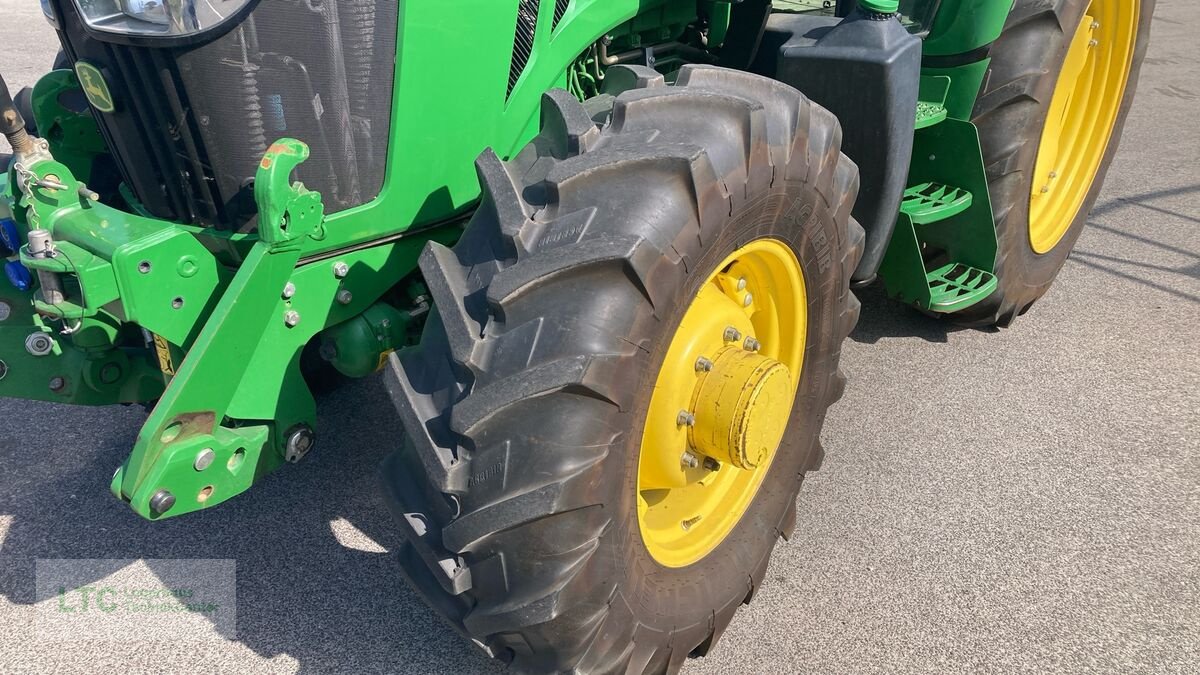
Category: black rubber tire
[524,402]
[1010,114]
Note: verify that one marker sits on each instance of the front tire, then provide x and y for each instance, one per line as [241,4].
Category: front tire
[525,404]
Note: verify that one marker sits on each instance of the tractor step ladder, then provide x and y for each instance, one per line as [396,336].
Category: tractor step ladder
[943,250]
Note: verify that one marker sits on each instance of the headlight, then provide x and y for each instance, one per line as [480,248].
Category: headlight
[165,18]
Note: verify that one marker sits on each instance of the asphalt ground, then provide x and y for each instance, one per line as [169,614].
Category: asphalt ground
[1021,500]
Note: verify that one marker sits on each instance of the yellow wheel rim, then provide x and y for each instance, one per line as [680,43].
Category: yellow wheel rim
[1083,112]
[721,402]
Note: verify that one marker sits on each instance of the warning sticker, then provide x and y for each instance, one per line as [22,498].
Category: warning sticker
[164,355]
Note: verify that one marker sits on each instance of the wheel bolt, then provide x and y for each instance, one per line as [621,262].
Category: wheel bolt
[291,319]
[741,284]
[689,460]
[751,345]
[1093,43]
[345,297]
[732,334]
[1045,189]
[711,464]
[340,270]
[289,290]
[685,419]
[749,300]
[703,365]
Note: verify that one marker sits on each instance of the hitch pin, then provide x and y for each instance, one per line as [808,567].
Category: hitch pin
[50,183]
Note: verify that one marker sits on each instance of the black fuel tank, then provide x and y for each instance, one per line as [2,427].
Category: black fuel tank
[865,69]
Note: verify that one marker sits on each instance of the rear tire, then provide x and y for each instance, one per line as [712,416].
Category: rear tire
[1011,113]
[525,402]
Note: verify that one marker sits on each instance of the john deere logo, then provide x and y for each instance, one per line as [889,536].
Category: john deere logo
[94,86]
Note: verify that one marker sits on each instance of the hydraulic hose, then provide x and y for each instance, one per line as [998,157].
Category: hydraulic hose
[12,125]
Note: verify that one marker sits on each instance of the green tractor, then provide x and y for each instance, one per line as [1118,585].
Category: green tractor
[602,251]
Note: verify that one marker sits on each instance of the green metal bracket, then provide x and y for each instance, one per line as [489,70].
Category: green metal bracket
[190,419]
[210,437]
[190,415]
[287,212]
[165,279]
[276,310]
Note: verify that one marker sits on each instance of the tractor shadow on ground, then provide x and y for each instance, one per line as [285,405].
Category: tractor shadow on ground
[1140,255]
[883,317]
[317,578]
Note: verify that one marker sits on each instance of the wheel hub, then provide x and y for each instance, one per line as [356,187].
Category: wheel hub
[741,408]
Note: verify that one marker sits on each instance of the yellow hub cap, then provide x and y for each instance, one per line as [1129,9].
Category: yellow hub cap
[1082,115]
[721,402]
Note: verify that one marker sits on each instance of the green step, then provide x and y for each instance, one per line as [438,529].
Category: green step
[958,286]
[931,101]
[929,114]
[930,202]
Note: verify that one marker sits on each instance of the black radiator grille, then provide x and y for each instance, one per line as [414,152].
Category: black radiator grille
[192,123]
[185,186]
[560,10]
[527,20]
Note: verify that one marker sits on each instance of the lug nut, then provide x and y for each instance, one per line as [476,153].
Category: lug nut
[1093,43]
[703,365]
[291,319]
[748,300]
[340,270]
[345,297]
[689,460]
[732,334]
[741,284]
[39,344]
[751,345]
[162,501]
[711,464]
[289,290]
[685,419]
[58,383]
